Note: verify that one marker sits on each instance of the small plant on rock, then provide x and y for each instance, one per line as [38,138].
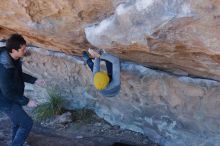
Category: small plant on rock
[53,107]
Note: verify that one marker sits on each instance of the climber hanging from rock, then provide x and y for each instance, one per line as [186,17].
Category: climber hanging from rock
[107,83]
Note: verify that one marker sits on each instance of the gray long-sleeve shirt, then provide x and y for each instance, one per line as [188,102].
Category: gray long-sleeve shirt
[114,86]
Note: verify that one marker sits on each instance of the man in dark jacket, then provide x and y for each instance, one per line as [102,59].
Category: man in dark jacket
[12,88]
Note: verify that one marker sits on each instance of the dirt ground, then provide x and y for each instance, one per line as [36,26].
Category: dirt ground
[89,131]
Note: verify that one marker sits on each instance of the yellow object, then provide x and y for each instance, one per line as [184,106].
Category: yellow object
[101,80]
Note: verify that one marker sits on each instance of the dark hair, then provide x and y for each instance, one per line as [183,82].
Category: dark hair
[14,42]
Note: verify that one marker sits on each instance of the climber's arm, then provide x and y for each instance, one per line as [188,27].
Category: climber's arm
[96,67]
[114,85]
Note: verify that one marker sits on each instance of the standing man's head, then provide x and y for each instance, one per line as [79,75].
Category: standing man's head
[16,46]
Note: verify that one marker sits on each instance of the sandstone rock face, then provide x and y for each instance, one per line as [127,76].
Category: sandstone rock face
[178,36]
[53,24]
[171,110]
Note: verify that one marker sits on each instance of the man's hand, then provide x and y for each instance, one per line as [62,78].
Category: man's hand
[40,82]
[32,103]
[93,53]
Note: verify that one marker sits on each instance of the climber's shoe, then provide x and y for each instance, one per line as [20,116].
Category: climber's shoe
[85,56]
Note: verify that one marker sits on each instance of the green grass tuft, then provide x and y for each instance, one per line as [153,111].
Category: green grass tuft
[53,107]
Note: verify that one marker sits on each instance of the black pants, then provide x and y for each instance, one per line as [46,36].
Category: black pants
[108,66]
